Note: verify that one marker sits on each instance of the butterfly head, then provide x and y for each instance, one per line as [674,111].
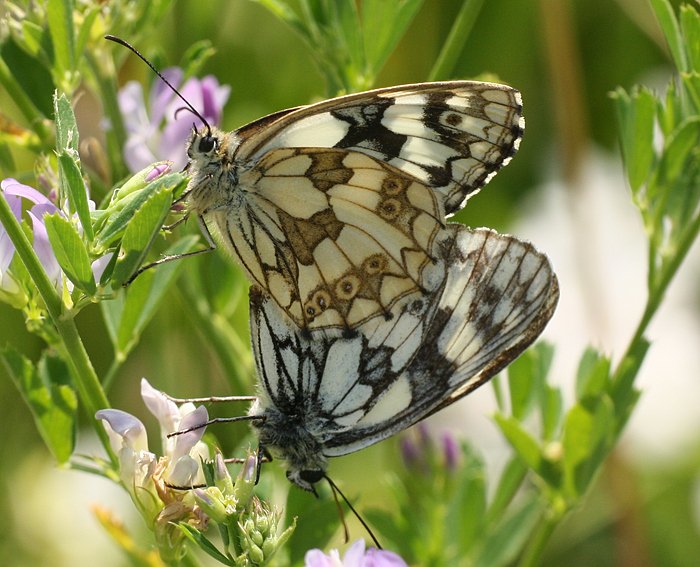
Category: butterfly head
[203,143]
[284,432]
[306,479]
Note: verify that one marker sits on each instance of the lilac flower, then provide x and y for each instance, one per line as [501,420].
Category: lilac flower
[154,482]
[161,135]
[421,453]
[180,463]
[14,193]
[355,556]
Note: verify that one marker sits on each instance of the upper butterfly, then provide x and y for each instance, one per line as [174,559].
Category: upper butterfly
[338,209]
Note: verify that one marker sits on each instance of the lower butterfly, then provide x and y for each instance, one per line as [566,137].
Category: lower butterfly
[326,397]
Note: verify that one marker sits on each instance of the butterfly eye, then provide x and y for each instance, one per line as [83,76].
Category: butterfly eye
[312,477]
[207,144]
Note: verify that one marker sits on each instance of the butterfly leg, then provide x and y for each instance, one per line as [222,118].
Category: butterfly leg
[205,232]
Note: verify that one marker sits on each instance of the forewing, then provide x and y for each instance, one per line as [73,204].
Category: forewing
[336,237]
[499,294]
[451,136]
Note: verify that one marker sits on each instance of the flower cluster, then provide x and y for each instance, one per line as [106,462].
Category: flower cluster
[159,131]
[172,493]
[11,289]
[159,485]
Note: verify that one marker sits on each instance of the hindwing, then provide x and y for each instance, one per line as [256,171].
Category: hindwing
[341,394]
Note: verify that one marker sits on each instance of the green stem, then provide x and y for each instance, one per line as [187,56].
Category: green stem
[538,541]
[116,137]
[89,389]
[36,119]
[656,294]
[111,373]
[509,485]
[454,45]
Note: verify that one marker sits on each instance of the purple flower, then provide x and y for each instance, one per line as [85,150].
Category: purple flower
[154,133]
[14,192]
[355,556]
[421,453]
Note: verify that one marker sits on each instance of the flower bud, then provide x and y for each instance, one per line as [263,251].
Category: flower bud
[212,502]
[140,181]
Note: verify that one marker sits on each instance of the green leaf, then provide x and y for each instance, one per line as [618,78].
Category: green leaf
[89,14]
[72,185]
[588,434]
[466,509]
[593,375]
[122,210]
[669,25]
[195,57]
[527,376]
[503,543]
[552,406]
[678,149]
[66,127]
[33,39]
[635,115]
[127,316]
[70,252]
[139,235]
[524,444]
[509,484]
[318,521]
[454,44]
[624,394]
[60,21]
[690,27]
[52,401]
[197,537]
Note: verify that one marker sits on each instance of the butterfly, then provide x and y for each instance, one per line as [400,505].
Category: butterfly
[329,396]
[337,210]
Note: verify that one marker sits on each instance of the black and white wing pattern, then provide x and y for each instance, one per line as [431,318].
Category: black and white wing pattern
[337,210]
[332,396]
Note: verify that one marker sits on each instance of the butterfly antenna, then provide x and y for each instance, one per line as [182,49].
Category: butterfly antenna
[213,421]
[336,491]
[191,108]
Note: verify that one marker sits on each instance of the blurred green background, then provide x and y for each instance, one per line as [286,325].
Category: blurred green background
[565,190]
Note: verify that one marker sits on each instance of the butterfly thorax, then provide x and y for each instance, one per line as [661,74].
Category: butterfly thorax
[286,435]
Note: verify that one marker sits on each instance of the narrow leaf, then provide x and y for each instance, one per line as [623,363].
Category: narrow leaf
[690,26]
[593,374]
[197,537]
[669,25]
[139,235]
[73,185]
[122,211]
[66,127]
[52,401]
[504,543]
[318,519]
[523,443]
[635,115]
[70,252]
[60,20]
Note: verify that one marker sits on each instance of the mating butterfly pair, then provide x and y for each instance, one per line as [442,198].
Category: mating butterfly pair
[368,311]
